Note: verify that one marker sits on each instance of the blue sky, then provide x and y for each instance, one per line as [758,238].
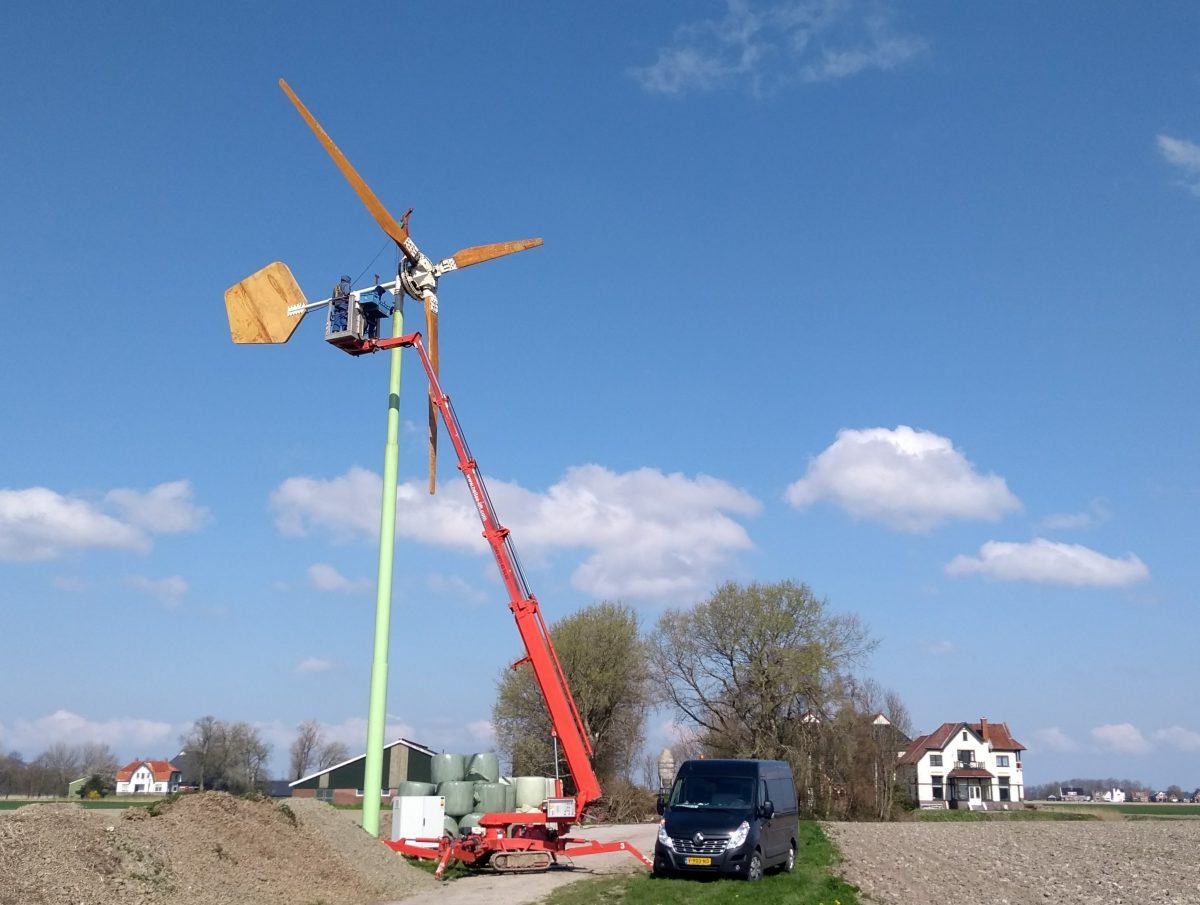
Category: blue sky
[896,300]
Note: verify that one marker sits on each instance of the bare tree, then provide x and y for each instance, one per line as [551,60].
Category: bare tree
[247,760]
[231,756]
[60,764]
[304,748]
[205,747]
[98,759]
[331,753]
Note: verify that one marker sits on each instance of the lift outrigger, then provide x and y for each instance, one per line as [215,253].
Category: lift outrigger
[512,842]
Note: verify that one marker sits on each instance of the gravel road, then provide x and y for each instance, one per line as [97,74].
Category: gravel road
[1014,863]
[520,889]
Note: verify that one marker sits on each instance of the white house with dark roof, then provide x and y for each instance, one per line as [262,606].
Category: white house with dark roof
[964,765]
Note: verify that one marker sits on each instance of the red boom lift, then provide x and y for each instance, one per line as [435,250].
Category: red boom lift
[516,841]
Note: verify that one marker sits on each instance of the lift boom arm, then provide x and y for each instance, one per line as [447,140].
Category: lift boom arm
[539,650]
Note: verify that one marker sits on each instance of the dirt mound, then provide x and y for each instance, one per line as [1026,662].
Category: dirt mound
[205,849]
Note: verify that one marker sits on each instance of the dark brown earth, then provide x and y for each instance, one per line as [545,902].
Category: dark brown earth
[1022,862]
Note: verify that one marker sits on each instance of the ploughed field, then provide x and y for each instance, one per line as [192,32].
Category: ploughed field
[1064,863]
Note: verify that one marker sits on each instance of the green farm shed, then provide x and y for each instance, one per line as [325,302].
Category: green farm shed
[403,761]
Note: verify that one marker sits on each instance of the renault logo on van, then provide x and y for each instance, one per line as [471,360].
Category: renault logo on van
[698,838]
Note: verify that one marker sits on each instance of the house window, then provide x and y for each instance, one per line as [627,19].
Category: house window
[935,760]
[1004,794]
[324,794]
[938,792]
[1001,760]
[966,755]
[964,735]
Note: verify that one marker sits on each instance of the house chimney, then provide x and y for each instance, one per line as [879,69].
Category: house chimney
[983,728]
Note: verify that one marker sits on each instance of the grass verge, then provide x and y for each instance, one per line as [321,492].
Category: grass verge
[812,883]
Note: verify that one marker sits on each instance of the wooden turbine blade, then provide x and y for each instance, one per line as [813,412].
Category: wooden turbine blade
[477,254]
[431,332]
[258,306]
[389,223]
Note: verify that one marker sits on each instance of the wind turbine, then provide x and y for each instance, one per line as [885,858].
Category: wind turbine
[255,313]
[267,306]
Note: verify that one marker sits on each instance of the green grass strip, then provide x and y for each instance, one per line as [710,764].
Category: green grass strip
[812,883]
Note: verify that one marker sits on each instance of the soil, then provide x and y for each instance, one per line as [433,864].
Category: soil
[214,849]
[1014,863]
[208,849]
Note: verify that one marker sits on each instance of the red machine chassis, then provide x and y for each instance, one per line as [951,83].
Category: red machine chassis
[513,832]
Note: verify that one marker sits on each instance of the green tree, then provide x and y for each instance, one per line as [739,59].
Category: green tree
[765,670]
[604,660]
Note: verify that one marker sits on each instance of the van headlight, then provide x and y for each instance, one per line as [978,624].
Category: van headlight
[663,837]
[738,838]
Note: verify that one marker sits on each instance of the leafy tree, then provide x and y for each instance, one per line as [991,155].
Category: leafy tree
[748,665]
[95,787]
[604,660]
[765,670]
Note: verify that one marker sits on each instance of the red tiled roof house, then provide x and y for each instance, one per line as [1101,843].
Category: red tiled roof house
[148,777]
[964,765]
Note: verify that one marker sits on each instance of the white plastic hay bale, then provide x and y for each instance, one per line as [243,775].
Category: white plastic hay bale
[531,791]
[491,797]
[448,768]
[459,795]
[470,823]
[483,767]
[409,789]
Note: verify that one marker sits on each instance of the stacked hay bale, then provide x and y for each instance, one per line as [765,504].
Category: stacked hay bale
[472,786]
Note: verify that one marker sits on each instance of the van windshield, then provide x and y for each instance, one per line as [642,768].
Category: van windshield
[729,792]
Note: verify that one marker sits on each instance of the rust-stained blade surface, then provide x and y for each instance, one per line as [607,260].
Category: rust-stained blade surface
[389,223]
[477,254]
[257,306]
[431,333]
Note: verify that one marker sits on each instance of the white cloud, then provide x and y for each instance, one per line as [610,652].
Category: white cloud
[482,731]
[325,577]
[168,591]
[1054,739]
[164,509]
[455,586]
[1048,562]
[1123,737]
[767,46]
[314,664]
[645,534]
[38,523]
[940,648]
[907,479]
[1097,513]
[31,737]
[1178,737]
[1185,157]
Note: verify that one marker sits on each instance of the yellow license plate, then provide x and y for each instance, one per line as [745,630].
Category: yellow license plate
[699,862]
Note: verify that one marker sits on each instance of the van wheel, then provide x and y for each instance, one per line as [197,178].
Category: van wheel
[754,870]
[790,864]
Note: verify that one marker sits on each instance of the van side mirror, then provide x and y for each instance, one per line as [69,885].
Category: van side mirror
[659,804]
[766,810]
